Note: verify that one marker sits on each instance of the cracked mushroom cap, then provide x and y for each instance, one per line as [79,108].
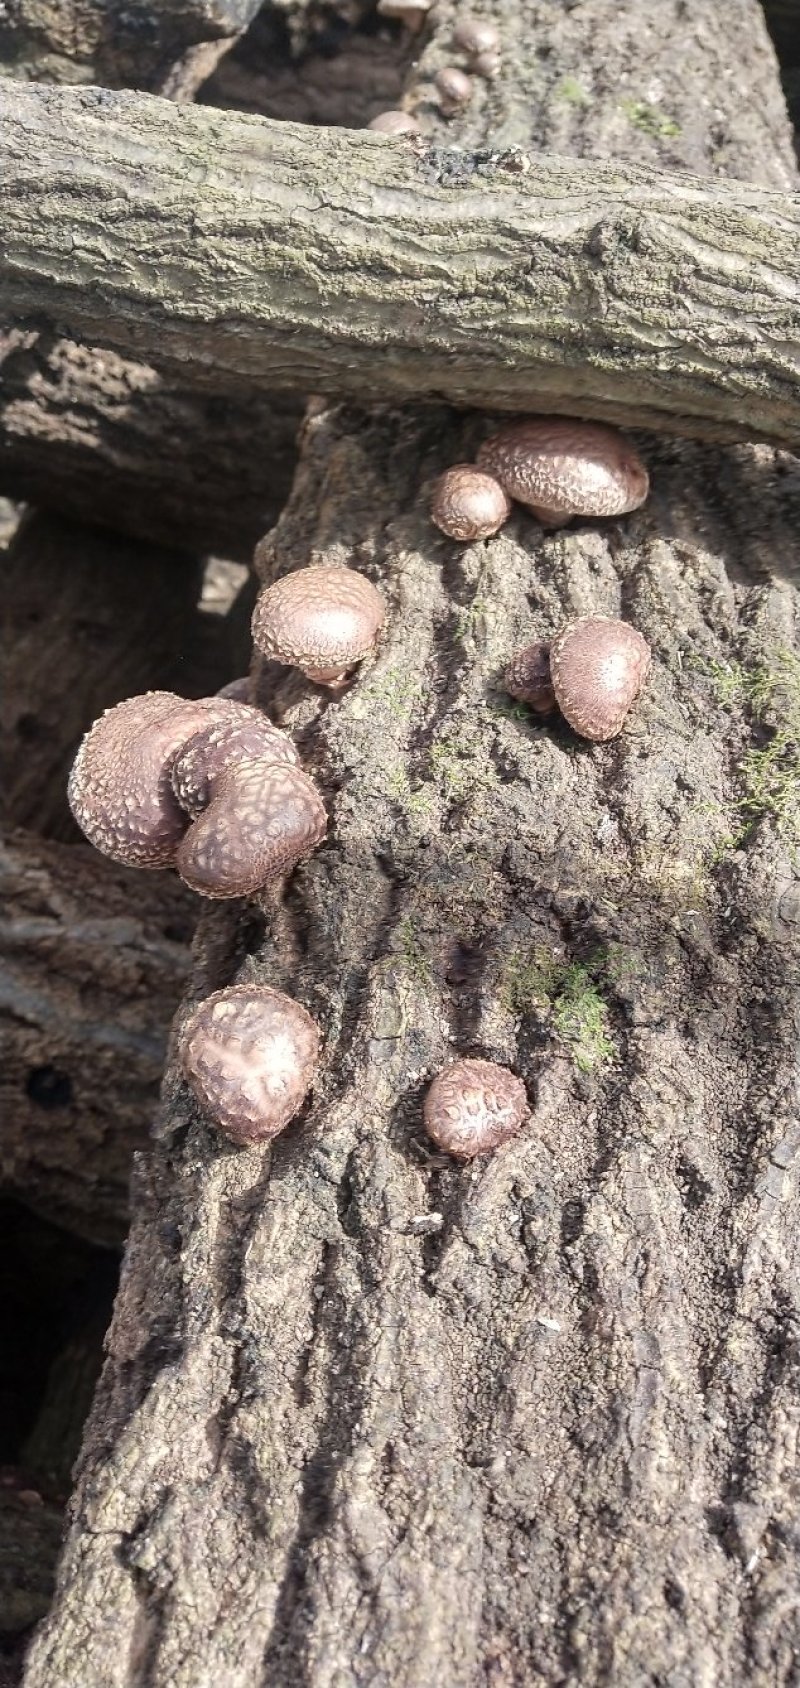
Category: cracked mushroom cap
[528,678]
[561,467]
[473,1106]
[262,819]
[468,503]
[323,620]
[249,1055]
[244,737]
[120,790]
[598,667]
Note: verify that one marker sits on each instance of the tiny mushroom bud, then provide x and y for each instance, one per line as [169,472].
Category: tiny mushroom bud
[263,817]
[469,504]
[412,13]
[473,1106]
[395,123]
[487,65]
[249,1055]
[561,467]
[120,790]
[598,667]
[244,737]
[475,36]
[323,620]
[454,88]
[528,678]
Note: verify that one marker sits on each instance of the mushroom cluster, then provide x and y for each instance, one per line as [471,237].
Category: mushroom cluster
[208,786]
[556,466]
[593,671]
[474,38]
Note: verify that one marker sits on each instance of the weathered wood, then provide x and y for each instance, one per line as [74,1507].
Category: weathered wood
[370,1419]
[93,960]
[140,44]
[248,253]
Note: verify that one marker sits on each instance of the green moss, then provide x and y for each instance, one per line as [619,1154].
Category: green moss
[457,771]
[412,952]
[399,789]
[572,92]
[769,773]
[649,120]
[570,993]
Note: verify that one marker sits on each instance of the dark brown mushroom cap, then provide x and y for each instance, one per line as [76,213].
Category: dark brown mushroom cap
[468,503]
[558,464]
[528,678]
[395,123]
[473,1106]
[249,1054]
[120,790]
[263,818]
[323,620]
[455,89]
[598,667]
[244,737]
[475,36]
[239,691]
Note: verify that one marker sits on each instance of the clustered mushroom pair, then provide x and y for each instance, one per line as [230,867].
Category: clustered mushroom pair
[212,788]
[249,1054]
[476,39]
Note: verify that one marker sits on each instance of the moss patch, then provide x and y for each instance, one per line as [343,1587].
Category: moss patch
[569,992]
[768,774]
[650,120]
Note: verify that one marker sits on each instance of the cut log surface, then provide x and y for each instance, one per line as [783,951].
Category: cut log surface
[260,257]
[371,1418]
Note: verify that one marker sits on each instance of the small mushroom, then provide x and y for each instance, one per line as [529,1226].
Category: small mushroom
[475,36]
[473,1106]
[468,503]
[395,123]
[240,691]
[120,790]
[262,818]
[598,667]
[454,88]
[528,678]
[244,737]
[249,1055]
[411,13]
[323,620]
[562,468]
[487,65]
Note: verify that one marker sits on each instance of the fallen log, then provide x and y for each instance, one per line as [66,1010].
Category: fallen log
[254,258]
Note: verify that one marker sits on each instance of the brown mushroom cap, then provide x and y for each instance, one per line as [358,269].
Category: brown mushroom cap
[528,678]
[323,620]
[249,1055]
[562,466]
[120,790]
[455,89]
[487,65]
[468,503]
[262,819]
[395,123]
[473,1106]
[598,667]
[244,737]
[475,36]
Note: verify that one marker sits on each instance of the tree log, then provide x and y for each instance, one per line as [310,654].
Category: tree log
[372,1418]
[252,256]
[94,959]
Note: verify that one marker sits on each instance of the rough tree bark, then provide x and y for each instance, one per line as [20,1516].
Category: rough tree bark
[252,256]
[370,1418]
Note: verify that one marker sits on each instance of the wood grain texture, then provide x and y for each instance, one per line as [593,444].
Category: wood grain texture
[370,1419]
[252,255]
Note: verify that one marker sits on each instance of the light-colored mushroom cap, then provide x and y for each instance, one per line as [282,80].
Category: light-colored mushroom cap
[468,503]
[560,465]
[243,737]
[528,678]
[249,1055]
[263,818]
[120,790]
[598,667]
[410,12]
[454,88]
[472,1106]
[323,620]
[395,123]
[475,36]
